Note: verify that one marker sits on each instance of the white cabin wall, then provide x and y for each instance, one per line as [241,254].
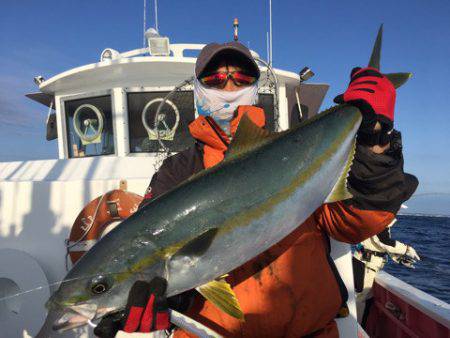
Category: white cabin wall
[39,201]
[40,226]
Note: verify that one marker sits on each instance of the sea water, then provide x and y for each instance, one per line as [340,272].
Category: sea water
[430,236]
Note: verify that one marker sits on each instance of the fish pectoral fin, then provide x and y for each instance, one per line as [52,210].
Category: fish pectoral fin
[248,136]
[196,246]
[340,191]
[220,293]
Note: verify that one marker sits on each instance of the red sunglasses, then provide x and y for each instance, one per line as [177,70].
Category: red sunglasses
[219,79]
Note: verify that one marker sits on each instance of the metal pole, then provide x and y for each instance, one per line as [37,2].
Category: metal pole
[267,47]
[270,30]
[156,16]
[143,36]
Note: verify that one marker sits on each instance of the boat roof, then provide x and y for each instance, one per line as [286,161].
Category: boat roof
[131,69]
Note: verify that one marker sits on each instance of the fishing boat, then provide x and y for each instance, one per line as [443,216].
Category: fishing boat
[115,120]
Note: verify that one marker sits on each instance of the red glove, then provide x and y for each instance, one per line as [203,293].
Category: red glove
[146,310]
[374,95]
[147,307]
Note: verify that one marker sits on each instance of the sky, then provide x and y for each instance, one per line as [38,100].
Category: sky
[331,37]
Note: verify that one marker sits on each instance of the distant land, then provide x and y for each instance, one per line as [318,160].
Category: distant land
[437,204]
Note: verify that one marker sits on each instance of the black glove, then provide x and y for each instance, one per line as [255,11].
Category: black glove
[146,311]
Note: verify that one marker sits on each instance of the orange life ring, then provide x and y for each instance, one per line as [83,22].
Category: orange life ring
[115,205]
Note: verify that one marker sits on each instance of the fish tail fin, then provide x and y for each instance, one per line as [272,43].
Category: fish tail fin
[397,79]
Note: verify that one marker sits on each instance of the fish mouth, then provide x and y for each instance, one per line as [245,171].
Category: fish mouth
[78,315]
[69,320]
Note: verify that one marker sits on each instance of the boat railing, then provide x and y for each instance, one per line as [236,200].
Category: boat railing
[434,308]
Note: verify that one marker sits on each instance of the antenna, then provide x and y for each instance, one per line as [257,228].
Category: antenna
[236,27]
[156,16]
[145,10]
[267,46]
[270,32]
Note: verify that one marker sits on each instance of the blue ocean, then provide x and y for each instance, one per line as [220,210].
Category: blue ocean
[430,236]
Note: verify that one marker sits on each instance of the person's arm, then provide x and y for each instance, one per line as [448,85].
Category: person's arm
[379,187]
[377,181]
[399,252]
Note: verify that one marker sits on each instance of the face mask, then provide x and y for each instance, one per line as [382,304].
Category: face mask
[221,104]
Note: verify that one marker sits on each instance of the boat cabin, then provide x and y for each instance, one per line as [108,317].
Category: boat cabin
[109,108]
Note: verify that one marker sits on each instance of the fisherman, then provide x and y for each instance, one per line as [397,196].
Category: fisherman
[370,257]
[293,289]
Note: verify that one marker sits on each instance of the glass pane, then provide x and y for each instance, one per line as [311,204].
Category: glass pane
[89,126]
[265,101]
[172,127]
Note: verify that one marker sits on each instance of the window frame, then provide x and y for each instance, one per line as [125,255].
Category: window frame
[63,116]
[146,89]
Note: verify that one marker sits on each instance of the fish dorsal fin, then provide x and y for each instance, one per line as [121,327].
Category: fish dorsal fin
[398,79]
[340,191]
[220,293]
[248,136]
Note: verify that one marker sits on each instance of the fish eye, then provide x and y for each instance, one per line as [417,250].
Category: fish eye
[99,285]
[99,288]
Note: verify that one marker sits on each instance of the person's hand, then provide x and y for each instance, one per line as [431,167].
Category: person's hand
[408,259]
[374,95]
[146,311]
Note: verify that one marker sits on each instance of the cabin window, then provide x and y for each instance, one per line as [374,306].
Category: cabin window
[265,101]
[89,126]
[171,129]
